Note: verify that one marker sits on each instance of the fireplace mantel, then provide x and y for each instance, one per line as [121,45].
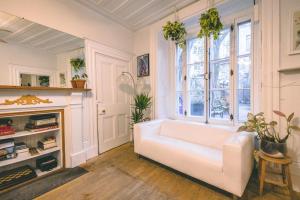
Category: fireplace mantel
[12,87]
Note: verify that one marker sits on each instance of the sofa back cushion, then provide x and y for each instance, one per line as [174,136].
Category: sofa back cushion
[203,134]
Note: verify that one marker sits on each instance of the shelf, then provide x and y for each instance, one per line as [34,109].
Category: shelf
[12,87]
[289,70]
[26,133]
[40,173]
[27,156]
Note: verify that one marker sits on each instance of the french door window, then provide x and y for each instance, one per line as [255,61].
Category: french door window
[213,77]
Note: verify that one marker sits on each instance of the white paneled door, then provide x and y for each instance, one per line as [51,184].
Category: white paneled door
[112,103]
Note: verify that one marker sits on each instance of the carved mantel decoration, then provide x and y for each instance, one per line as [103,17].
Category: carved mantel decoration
[26,100]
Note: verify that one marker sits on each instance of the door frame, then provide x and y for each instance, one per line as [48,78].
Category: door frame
[91,140]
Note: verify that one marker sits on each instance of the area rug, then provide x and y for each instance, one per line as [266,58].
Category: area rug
[43,185]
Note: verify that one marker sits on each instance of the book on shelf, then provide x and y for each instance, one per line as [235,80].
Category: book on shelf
[7,143]
[39,120]
[33,128]
[47,143]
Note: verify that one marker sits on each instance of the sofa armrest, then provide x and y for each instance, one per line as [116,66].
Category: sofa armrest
[238,161]
[145,128]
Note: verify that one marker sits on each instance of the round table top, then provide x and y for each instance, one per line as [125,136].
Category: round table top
[286,160]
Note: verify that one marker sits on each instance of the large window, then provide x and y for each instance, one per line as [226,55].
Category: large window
[213,77]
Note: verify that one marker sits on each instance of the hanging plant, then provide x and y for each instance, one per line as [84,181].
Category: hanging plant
[176,32]
[210,24]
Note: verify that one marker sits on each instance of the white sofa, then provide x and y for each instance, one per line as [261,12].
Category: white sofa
[216,155]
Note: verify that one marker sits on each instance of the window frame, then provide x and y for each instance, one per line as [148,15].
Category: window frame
[234,20]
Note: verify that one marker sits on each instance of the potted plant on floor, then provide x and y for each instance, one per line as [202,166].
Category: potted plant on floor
[142,102]
[271,143]
[79,79]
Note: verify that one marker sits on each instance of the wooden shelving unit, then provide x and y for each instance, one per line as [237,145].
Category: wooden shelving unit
[31,138]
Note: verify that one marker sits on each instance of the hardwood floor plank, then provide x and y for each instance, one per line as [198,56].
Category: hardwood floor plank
[120,175]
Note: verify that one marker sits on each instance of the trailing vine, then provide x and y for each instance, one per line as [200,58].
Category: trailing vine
[210,24]
[176,32]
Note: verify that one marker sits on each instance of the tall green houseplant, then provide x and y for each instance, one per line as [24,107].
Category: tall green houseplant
[142,102]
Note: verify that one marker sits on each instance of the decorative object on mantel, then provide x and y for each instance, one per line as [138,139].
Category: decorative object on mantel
[270,141]
[26,100]
[143,65]
[210,24]
[38,88]
[295,32]
[79,79]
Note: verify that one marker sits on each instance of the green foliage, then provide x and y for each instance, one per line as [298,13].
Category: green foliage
[44,79]
[78,64]
[176,32]
[210,24]
[268,131]
[142,102]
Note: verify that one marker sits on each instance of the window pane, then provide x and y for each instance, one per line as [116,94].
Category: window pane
[195,49]
[219,104]
[219,84]
[220,47]
[197,103]
[179,103]
[244,46]
[179,67]
[195,76]
[243,68]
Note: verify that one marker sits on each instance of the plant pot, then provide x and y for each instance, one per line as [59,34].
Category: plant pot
[80,83]
[273,149]
[73,82]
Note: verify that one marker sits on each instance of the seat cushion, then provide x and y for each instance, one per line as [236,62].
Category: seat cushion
[199,161]
[203,134]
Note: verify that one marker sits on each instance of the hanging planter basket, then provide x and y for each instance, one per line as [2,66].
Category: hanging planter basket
[176,32]
[210,24]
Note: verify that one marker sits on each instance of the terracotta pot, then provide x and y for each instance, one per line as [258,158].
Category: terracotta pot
[80,83]
[73,82]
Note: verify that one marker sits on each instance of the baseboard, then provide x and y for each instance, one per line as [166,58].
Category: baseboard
[91,152]
[78,158]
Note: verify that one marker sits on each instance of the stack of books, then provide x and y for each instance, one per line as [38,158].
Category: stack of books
[6,127]
[47,143]
[42,122]
[7,149]
[21,148]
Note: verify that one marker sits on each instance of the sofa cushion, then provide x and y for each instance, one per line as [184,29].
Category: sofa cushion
[196,160]
[203,134]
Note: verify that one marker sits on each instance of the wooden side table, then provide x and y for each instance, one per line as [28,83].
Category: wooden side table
[283,178]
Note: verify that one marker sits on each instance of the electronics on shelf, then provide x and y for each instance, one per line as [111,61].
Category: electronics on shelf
[46,163]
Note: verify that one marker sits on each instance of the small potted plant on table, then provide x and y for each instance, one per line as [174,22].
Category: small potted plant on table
[271,143]
[79,79]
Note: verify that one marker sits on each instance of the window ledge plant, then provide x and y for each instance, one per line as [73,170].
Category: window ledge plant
[210,24]
[176,32]
[79,79]
[271,143]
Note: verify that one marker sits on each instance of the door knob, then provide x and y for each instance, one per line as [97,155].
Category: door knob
[103,111]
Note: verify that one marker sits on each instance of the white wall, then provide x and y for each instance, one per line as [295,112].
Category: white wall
[69,17]
[290,82]
[12,54]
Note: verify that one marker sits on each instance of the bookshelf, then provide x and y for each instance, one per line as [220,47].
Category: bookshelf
[31,139]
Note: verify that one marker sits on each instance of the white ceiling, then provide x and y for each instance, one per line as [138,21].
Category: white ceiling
[135,14]
[30,34]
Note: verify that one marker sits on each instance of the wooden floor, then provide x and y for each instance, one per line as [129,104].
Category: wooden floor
[119,174]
